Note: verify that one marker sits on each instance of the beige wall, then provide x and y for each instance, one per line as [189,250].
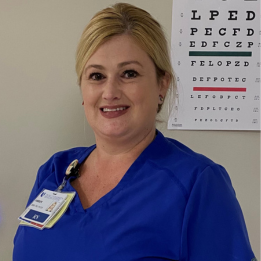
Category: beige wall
[41,107]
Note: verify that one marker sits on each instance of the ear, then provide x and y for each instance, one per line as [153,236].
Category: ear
[164,84]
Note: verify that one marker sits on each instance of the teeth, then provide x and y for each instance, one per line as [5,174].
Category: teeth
[117,109]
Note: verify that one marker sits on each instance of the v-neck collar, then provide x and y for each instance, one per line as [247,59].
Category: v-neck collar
[152,151]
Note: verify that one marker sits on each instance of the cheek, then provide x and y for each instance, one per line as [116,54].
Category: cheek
[146,92]
[89,95]
[148,103]
[152,96]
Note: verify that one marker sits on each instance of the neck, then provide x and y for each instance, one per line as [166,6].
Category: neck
[129,147]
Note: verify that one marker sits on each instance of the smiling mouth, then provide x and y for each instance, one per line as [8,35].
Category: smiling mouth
[115,109]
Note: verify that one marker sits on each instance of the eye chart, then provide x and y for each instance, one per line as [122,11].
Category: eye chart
[216,58]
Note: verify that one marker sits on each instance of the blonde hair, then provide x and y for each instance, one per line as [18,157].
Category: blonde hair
[123,18]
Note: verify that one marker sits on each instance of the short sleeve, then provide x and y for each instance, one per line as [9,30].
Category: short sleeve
[213,226]
[35,188]
[44,171]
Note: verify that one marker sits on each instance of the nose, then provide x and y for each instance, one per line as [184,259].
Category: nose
[111,89]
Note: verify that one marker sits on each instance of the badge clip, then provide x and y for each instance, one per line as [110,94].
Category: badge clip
[72,171]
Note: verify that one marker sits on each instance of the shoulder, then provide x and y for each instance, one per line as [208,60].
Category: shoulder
[51,173]
[172,154]
[183,165]
[65,156]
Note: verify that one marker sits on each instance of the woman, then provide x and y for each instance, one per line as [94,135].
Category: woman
[139,195]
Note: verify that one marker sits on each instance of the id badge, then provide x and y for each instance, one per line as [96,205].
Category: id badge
[45,207]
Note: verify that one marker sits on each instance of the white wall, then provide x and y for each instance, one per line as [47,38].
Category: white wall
[41,110]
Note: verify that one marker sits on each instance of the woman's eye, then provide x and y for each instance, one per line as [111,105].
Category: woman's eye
[96,76]
[130,74]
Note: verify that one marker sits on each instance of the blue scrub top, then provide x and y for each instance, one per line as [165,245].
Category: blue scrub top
[172,204]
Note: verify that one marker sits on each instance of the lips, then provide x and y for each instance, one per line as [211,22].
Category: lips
[113,111]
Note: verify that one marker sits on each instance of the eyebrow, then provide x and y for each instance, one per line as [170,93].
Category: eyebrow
[120,65]
[128,62]
[96,66]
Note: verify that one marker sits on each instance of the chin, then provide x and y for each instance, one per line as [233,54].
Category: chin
[114,131]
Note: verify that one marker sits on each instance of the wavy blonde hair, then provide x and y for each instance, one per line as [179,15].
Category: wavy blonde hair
[123,18]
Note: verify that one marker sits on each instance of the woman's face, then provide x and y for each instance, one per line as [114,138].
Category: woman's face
[120,89]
